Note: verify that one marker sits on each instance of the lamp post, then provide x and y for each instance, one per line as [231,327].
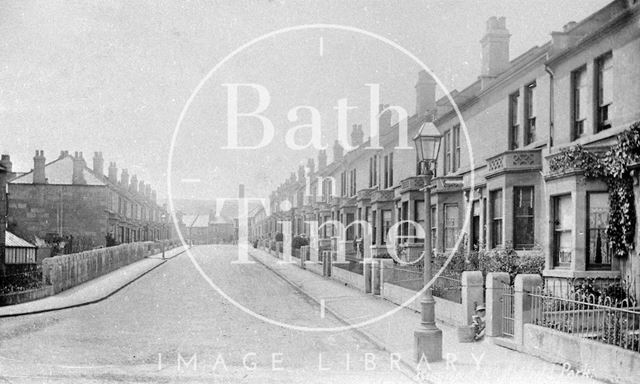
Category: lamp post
[428,338]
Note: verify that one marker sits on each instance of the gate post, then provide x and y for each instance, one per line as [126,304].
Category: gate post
[472,294]
[375,275]
[524,284]
[495,286]
[366,271]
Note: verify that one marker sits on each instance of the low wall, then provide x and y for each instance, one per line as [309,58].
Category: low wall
[24,296]
[602,361]
[66,271]
[314,267]
[350,278]
[446,311]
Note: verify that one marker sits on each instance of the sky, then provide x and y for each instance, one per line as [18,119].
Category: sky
[115,75]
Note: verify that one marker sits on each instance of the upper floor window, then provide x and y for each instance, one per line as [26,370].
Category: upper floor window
[352,181]
[447,152]
[579,96]
[456,147]
[388,171]
[604,68]
[343,184]
[514,118]
[530,113]
[373,171]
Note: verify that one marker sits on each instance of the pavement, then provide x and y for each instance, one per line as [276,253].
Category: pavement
[94,290]
[391,327]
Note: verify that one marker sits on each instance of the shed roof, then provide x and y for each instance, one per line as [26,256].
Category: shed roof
[14,241]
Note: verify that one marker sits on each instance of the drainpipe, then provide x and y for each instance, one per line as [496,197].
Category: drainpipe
[551,105]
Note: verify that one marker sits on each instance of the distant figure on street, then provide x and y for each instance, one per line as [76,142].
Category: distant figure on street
[479,323]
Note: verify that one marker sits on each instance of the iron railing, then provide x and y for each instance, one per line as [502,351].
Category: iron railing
[615,322]
[411,277]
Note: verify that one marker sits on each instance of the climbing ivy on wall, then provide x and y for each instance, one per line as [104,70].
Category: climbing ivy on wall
[612,167]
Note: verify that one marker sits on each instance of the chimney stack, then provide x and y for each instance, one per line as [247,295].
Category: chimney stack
[124,178]
[113,173]
[357,135]
[98,164]
[147,191]
[133,185]
[141,187]
[153,195]
[63,154]
[78,169]
[495,49]
[38,168]
[6,163]
[322,159]
[425,94]
[338,151]
[311,165]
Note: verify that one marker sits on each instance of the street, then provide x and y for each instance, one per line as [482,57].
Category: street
[171,326]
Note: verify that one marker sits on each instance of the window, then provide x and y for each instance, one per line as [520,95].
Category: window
[604,67]
[386,172]
[456,147]
[447,152]
[390,170]
[579,95]
[530,114]
[451,218]
[496,218]
[419,219]
[386,224]
[514,127]
[599,255]
[374,226]
[350,228]
[373,171]
[343,184]
[562,230]
[434,227]
[523,218]
[352,181]
[404,214]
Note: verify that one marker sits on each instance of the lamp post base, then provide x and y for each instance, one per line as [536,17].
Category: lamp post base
[428,342]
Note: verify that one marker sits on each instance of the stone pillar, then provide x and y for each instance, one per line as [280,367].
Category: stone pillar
[472,294]
[326,263]
[524,284]
[496,282]
[376,274]
[367,270]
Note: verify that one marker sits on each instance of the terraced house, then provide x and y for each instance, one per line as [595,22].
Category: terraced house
[582,87]
[67,198]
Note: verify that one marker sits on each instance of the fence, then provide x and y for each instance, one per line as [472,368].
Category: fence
[411,277]
[604,320]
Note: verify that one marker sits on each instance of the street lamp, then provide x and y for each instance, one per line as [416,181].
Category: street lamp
[428,338]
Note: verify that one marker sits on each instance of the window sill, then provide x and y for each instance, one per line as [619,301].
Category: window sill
[570,274]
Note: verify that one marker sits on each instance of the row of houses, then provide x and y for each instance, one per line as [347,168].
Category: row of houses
[580,88]
[65,199]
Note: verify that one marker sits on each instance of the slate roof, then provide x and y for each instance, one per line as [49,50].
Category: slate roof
[60,172]
[14,241]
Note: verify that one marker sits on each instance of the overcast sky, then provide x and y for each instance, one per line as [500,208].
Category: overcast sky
[114,75]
